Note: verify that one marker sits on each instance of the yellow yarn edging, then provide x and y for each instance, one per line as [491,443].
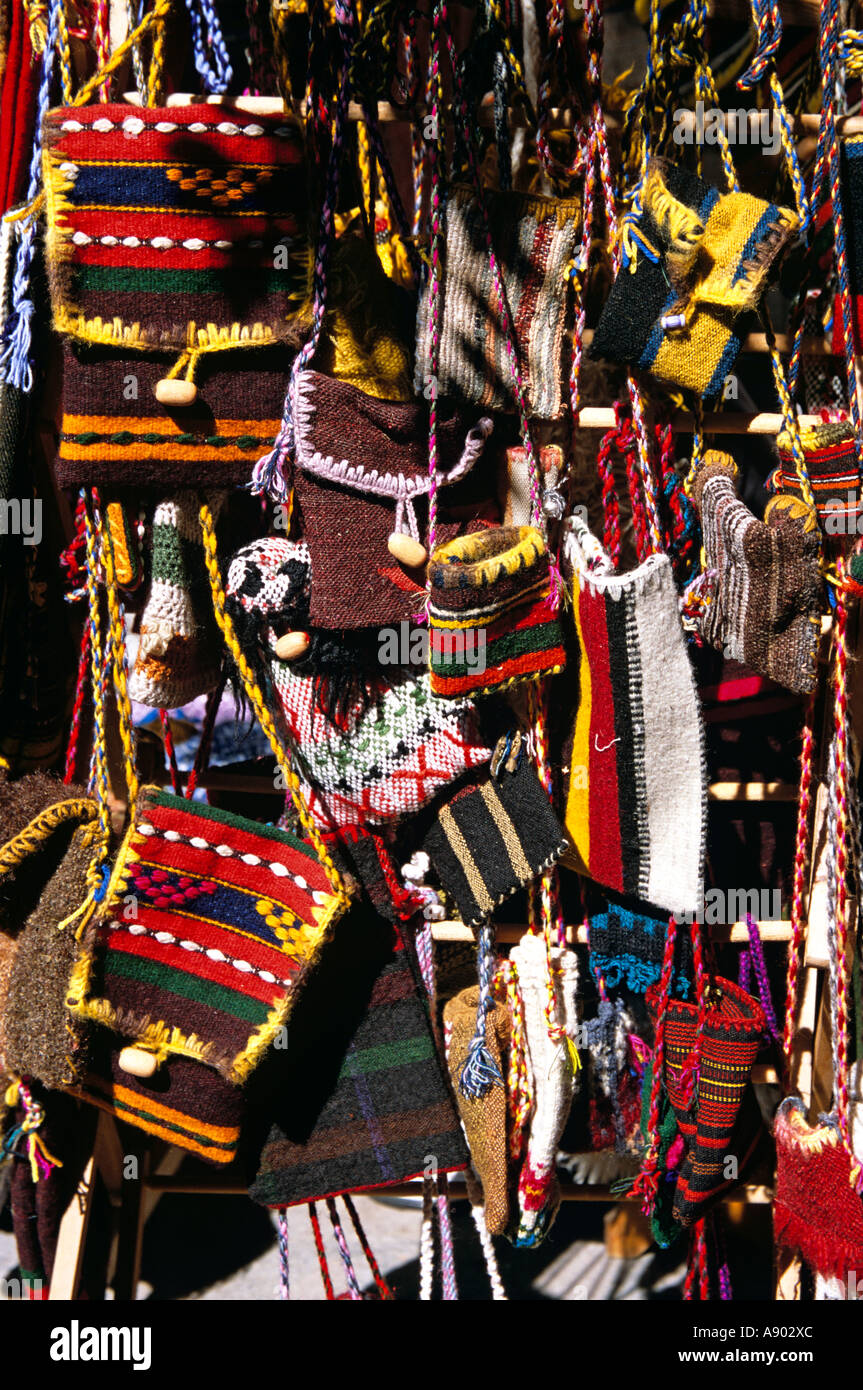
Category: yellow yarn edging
[529,548]
[27,841]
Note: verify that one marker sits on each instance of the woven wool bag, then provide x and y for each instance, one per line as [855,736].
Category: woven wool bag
[210,925]
[492,623]
[175,236]
[765,594]
[695,260]
[376,1103]
[535,242]
[362,475]
[816,1212]
[49,831]
[833,471]
[636,780]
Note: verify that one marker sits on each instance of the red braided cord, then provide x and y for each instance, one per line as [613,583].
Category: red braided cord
[610,499]
[80,693]
[648,1179]
[322,1257]
[176,780]
[383,1287]
[801,859]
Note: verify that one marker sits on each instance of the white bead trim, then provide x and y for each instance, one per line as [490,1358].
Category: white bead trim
[134,125]
[166,938]
[276,868]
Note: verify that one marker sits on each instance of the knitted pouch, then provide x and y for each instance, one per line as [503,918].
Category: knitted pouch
[695,260]
[51,830]
[715,1125]
[636,776]
[833,471]
[485,1117]
[552,1080]
[491,619]
[115,433]
[362,474]
[183,1103]
[374,1109]
[165,225]
[382,760]
[626,944]
[765,595]
[816,1211]
[211,925]
[490,840]
[180,651]
[535,240]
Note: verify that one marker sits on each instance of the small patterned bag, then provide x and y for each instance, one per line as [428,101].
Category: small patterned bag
[210,925]
[361,476]
[695,260]
[387,754]
[491,839]
[492,622]
[765,594]
[536,240]
[816,1213]
[636,780]
[833,471]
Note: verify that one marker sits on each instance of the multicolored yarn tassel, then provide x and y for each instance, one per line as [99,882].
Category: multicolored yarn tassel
[38,1154]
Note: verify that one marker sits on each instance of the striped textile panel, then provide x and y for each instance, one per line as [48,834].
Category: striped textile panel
[210,926]
[467,658]
[635,805]
[488,841]
[165,217]
[184,1103]
[376,1110]
[115,433]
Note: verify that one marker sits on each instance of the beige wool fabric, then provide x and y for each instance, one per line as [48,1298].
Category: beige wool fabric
[484,1118]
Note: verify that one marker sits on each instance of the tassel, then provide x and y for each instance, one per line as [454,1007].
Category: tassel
[480,1072]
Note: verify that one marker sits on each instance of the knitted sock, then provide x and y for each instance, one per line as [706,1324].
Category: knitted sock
[484,1117]
[38,1207]
[765,606]
[492,622]
[180,654]
[695,260]
[553,1081]
[816,1212]
[488,841]
[636,794]
[833,472]
[535,239]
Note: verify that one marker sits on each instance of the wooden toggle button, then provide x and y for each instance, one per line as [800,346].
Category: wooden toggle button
[406,550]
[291,645]
[170,391]
[137,1062]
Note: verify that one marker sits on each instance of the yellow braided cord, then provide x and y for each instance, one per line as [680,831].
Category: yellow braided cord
[510,54]
[65,53]
[364,160]
[117,638]
[99,744]
[156,18]
[256,699]
[27,841]
[157,60]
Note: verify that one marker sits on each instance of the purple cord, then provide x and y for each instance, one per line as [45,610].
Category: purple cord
[756,953]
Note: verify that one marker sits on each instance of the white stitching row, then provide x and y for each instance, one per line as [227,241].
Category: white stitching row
[162,243]
[226,852]
[166,938]
[133,125]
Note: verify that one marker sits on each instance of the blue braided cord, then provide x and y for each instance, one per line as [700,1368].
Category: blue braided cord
[480,1072]
[218,74]
[16,368]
